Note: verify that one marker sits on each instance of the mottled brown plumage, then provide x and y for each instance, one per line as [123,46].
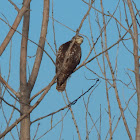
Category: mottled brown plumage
[71,63]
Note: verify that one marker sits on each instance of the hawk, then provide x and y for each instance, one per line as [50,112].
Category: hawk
[73,59]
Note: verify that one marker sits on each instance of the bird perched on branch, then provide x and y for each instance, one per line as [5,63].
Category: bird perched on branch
[73,57]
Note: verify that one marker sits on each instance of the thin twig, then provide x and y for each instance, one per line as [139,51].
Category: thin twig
[7,86]
[38,93]
[14,5]
[7,124]
[54,125]
[10,104]
[36,131]
[99,138]
[53,28]
[120,114]
[51,47]
[86,106]
[73,117]
[61,127]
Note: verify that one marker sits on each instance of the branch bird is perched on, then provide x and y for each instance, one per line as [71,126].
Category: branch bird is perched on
[73,59]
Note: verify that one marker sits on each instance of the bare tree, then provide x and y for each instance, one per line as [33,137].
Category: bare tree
[101,60]
[134,36]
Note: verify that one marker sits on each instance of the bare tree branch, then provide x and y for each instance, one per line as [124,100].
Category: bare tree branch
[73,117]
[7,86]
[36,131]
[136,63]
[39,52]
[113,77]
[23,51]
[14,5]
[10,104]
[14,26]
[53,28]
[54,125]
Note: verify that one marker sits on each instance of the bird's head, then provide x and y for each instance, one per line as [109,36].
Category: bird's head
[79,39]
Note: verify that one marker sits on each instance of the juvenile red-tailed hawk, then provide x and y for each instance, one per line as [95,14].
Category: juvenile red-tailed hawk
[71,63]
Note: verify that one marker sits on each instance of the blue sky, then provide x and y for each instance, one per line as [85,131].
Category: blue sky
[70,13]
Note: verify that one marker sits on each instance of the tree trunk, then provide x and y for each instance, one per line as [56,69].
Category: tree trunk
[25,123]
[24,92]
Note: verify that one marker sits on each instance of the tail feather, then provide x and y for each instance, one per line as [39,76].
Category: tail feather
[62,87]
